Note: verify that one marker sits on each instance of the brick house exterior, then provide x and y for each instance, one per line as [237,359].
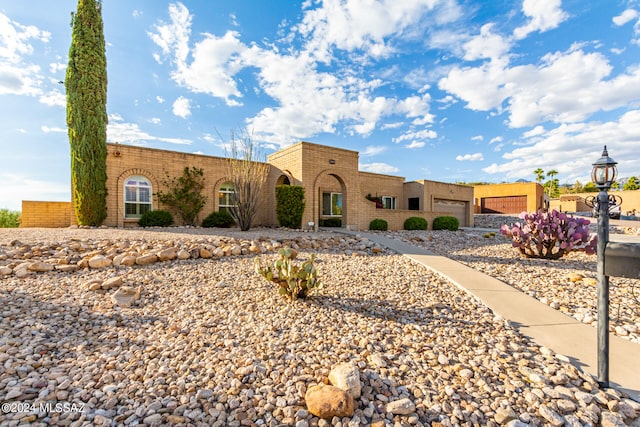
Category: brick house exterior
[334,187]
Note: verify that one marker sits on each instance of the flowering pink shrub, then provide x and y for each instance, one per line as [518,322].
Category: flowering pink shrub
[550,235]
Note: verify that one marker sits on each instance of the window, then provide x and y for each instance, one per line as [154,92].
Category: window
[414,203]
[332,204]
[226,197]
[388,202]
[137,196]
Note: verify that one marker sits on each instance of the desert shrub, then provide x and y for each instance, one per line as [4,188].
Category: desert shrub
[415,223]
[155,219]
[331,222]
[550,235]
[294,281]
[289,205]
[450,223]
[9,219]
[220,219]
[184,195]
[378,224]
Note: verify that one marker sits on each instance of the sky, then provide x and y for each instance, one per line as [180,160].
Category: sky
[445,90]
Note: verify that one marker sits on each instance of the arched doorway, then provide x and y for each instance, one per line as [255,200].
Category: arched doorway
[330,200]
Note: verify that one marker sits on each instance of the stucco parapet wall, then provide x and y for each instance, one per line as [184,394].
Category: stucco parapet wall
[380,175]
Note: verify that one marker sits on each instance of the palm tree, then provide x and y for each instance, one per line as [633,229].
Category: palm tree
[553,183]
[539,175]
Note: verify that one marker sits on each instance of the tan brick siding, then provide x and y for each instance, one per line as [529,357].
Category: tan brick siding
[532,190]
[45,214]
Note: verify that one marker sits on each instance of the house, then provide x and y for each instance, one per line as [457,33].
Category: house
[512,198]
[334,188]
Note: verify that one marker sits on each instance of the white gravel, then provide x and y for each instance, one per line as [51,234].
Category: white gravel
[209,342]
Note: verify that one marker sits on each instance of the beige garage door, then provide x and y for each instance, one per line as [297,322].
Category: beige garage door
[452,207]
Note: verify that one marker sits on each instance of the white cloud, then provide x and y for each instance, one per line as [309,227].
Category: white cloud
[47,129]
[415,144]
[487,45]
[373,150]
[367,26]
[477,138]
[495,139]
[160,99]
[54,67]
[378,168]
[544,15]
[572,148]
[130,133]
[498,147]
[416,135]
[564,87]
[16,188]
[155,120]
[17,75]
[54,98]
[470,157]
[182,107]
[624,17]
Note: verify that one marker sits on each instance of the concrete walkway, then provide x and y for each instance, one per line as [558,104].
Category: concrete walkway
[547,327]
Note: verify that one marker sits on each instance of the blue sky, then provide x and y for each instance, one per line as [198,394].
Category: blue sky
[448,90]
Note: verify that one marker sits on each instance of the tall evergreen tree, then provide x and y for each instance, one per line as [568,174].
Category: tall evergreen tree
[86,86]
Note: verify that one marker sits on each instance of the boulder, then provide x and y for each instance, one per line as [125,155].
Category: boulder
[346,376]
[100,261]
[5,271]
[146,259]
[168,254]
[205,253]
[125,296]
[112,282]
[40,267]
[401,407]
[182,254]
[326,401]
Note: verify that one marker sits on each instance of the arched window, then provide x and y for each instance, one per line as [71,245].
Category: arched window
[226,196]
[137,196]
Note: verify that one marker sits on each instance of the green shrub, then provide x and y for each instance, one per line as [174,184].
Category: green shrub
[220,219]
[415,223]
[331,222]
[156,219]
[378,224]
[184,195]
[450,223]
[293,281]
[9,219]
[289,205]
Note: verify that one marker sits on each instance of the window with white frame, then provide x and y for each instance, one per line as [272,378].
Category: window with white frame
[226,197]
[137,196]
[389,202]
[331,204]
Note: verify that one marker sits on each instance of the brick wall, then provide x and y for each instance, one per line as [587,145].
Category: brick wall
[45,214]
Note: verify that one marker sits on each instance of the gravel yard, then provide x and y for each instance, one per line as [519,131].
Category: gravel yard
[209,342]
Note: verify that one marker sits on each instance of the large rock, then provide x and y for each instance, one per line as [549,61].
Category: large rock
[168,254]
[146,259]
[326,401]
[5,271]
[346,377]
[99,261]
[40,267]
[125,296]
[182,254]
[112,282]
[401,407]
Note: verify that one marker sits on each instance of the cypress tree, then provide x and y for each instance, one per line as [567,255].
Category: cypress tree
[86,86]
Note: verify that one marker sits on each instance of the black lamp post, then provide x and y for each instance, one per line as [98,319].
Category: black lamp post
[603,174]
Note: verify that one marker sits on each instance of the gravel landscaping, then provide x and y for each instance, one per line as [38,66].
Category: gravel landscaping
[206,341]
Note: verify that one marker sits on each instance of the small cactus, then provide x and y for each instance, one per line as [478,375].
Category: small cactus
[293,281]
[550,235]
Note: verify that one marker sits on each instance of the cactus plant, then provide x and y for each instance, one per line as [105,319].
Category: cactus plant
[293,281]
[550,235]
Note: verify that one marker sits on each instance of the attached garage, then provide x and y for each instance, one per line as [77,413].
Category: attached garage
[504,205]
[454,208]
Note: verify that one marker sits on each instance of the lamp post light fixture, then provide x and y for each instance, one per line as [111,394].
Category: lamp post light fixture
[603,175]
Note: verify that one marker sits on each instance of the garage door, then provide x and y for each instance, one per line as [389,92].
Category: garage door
[507,205]
[452,207]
